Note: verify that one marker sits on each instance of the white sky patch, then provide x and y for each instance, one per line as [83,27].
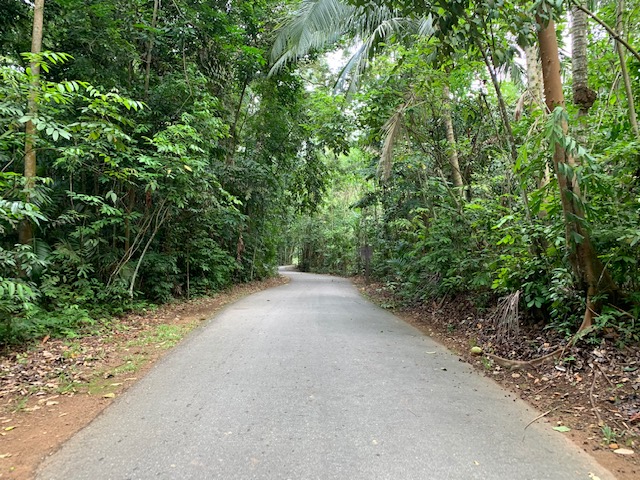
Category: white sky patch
[337,59]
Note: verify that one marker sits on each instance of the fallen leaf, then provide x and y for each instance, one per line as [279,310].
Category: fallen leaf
[614,446]
[51,403]
[562,428]
[623,451]
[5,455]
[515,375]
[109,395]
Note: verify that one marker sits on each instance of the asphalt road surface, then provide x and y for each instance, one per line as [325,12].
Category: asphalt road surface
[311,381]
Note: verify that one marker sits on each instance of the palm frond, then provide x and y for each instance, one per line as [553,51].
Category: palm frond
[314,26]
[425,26]
[318,24]
[359,61]
[392,130]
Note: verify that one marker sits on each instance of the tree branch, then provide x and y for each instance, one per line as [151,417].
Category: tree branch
[609,30]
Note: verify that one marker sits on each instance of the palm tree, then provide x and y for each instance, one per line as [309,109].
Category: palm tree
[583,96]
[319,24]
[588,268]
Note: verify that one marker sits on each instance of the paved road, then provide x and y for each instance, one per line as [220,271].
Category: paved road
[310,381]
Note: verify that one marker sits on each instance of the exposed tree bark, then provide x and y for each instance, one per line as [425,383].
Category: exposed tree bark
[588,269]
[456,174]
[502,107]
[633,119]
[131,201]
[609,30]
[534,75]
[154,21]
[25,231]
[235,132]
[583,96]
[535,92]
[160,217]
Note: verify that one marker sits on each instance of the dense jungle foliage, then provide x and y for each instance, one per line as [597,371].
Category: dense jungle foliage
[469,174]
[168,164]
[154,150]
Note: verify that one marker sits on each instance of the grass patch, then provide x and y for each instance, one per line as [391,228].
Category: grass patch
[132,363]
[163,336]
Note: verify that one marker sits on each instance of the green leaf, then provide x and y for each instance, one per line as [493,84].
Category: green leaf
[576,237]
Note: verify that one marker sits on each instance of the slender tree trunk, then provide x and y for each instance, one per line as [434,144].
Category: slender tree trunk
[25,231]
[131,200]
[161,216]
[589,270]
[583,96]
[534,75]
[234,128]
[633,119]
[502,107]
[609,30]
[535,91]
[456,174]
[154,20]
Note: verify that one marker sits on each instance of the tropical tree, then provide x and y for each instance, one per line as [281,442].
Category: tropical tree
[30,164]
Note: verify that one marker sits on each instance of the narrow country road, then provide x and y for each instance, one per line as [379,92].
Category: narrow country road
[311,381]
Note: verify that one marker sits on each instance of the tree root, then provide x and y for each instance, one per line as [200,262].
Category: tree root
[521,364]
[587,323]
[594,408]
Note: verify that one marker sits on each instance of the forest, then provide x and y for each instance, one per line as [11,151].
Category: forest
[161,150]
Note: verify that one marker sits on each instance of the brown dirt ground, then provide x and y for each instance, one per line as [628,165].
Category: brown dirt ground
[51,390]
[591,389]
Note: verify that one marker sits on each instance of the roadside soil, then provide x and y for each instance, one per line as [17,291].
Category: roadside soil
[50,390]
[592,388]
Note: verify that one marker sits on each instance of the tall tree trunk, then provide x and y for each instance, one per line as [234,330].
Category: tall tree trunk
[534,75]
[589,270]
[154,20]
[535,91]
[456,174]
[25,231]
[506,122]
[633,119]
[234,128]
[583,96]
